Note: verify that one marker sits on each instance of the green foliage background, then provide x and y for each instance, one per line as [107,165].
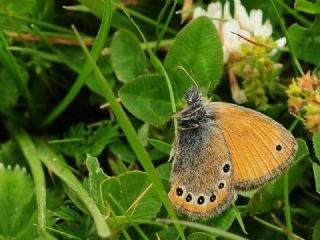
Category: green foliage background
[72,170]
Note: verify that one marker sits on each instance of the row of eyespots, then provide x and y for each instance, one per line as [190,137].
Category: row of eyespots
[201,199]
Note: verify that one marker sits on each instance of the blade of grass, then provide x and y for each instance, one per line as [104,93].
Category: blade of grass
[131,135]
[142,17]
[204,228]
[9,61]
[53,162]
[303,20]
[160,16]
[63,234]
[11,114]
[30,153]
[276,228]
[286,188]
[39,23]
[87,68]
[285,32]
[164,28]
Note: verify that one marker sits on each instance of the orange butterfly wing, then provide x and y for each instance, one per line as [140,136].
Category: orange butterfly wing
[260,148]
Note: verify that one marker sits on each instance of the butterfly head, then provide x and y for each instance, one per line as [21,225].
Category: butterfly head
[195,113]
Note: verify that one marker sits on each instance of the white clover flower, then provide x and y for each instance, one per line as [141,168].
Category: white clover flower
[246,25]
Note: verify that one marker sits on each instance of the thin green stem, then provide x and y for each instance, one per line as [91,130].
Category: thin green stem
[294,124]
[166,24]
[204,228]
[276,228]
[286,201]
[131,135]
[29,151]
[141,17]
[115,221]
[287,212]
[37,22]
[139,230]
[86,69]
[306,22]
[160,16]
[284,30]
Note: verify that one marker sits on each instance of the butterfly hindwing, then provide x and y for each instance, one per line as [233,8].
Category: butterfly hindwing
[202,175]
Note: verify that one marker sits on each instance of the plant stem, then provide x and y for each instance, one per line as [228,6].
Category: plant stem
[285,32]
[29,151]
[276,228]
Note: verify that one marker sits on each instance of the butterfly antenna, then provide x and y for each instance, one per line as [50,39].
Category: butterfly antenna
[183,69]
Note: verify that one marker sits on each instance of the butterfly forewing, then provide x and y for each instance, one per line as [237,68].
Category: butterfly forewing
[260,148]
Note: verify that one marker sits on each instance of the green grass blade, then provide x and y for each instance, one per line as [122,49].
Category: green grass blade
[303,20]
[39,23]
[9,61]
[285,32]
[30,153]
[205,228]
[141,17]
[131,136]
[52,162]
[276,228]
[86,69]
[164,28]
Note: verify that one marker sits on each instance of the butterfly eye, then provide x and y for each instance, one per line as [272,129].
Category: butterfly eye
[278,147]
[221,185]
[200,200]
[189,197]
[179,191]
[213,198]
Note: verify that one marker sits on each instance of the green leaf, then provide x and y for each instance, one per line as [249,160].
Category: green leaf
[122,151]
[316,172]
[9,91]
[161,146]
[305,40]
[198,49]
[316,231]
[316,144]
[303,150]
[134,193]
[79,140]
[307,6]
[18,212]
[96,178]
[14,8]
[200,236]
[147,98]
[164,170]
[143,133]
[224,220]
[10,154]
[127,56]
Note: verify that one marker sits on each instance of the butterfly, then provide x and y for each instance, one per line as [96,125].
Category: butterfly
[222,148]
